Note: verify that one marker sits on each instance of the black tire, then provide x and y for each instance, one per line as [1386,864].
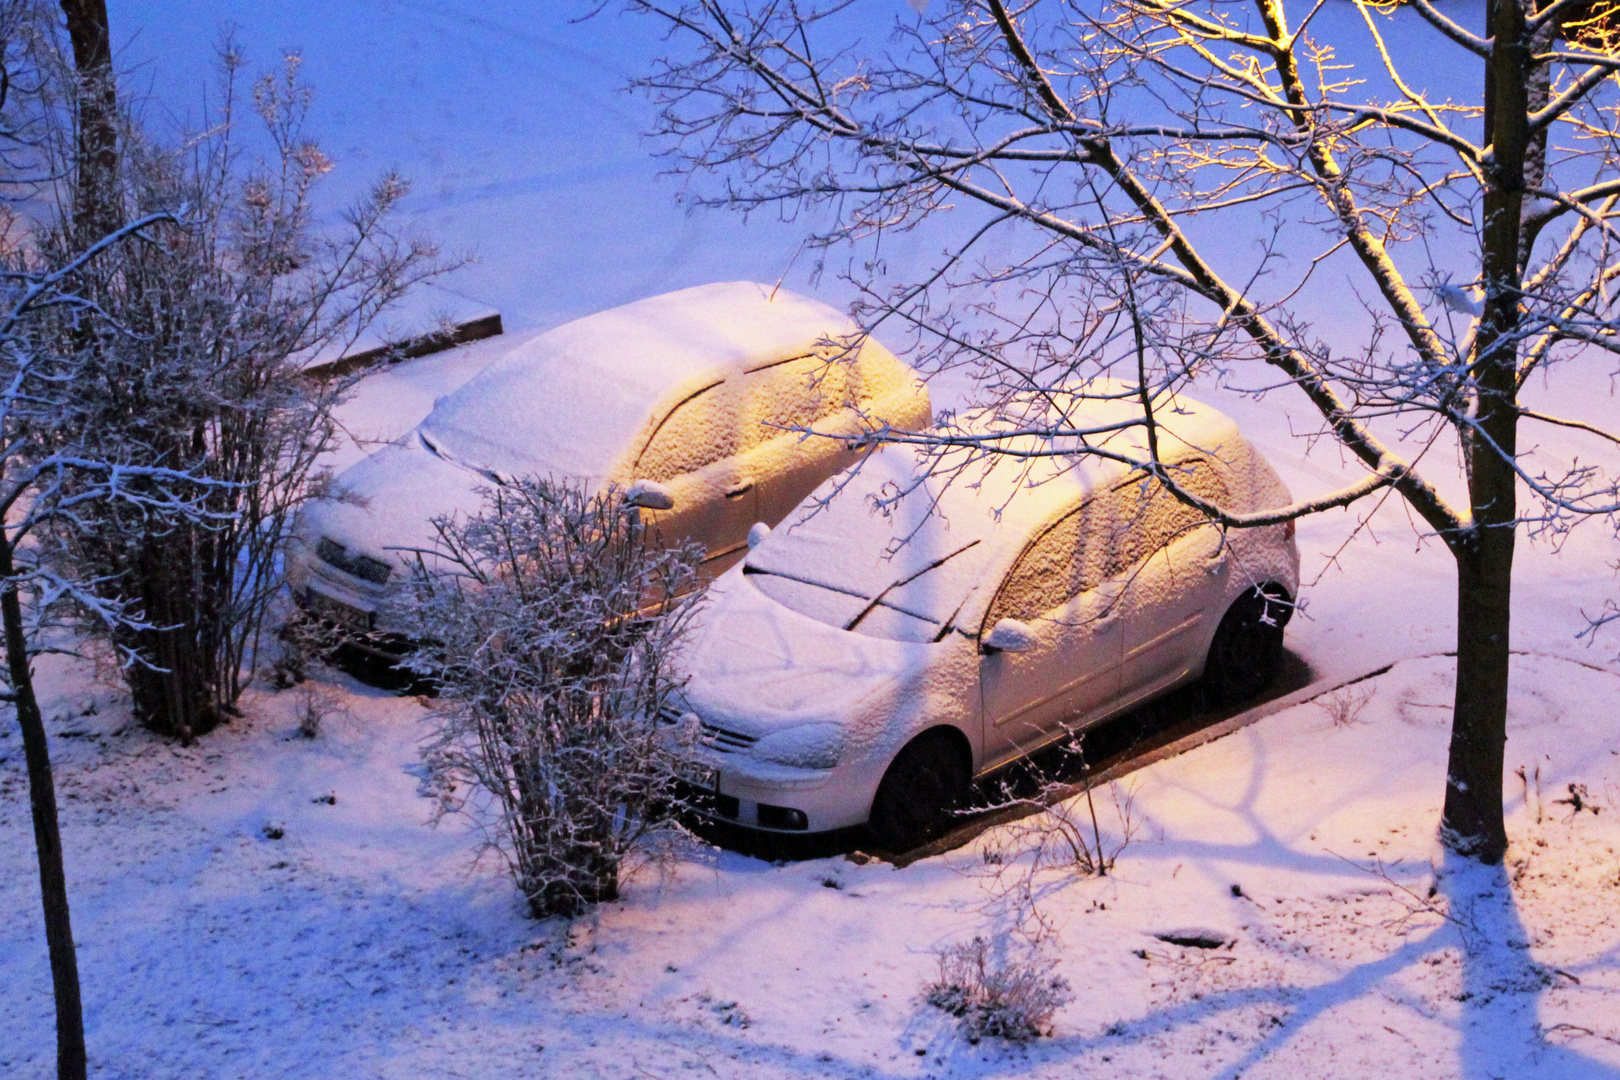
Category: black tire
[916,802]
[1248,646]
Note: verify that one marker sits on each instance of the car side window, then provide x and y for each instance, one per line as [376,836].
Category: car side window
[699,431]
[1072,556]
[794,393]
[1102,539]
[1148,518]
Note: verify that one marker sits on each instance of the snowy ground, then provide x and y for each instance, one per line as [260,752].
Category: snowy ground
[364,943]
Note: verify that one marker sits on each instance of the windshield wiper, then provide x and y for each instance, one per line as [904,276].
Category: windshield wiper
[749,569]
[878,599]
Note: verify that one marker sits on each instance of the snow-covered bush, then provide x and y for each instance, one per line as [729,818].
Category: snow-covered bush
[553,644]
[1013,999]
[192,346]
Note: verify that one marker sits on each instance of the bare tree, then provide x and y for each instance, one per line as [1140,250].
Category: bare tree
[1089,161]
[194,351]
[49,483]
[552,627]
[97,207]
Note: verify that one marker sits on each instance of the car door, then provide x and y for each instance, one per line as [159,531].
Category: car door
[1176,568]
[694,452]
[1070,674]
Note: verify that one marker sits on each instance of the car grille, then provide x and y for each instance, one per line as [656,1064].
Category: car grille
[724,741]
[716,738]
[363,567]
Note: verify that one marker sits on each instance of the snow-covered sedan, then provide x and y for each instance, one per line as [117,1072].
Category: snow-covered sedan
[864,667]
[688,401]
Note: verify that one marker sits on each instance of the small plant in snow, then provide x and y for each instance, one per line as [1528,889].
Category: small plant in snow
[1343,706]
[1061,838]
[315,706]
[553,641]
[995,995]
[1062,831]
[302,643]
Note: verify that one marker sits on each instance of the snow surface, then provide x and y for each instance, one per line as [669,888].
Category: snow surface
[365,943]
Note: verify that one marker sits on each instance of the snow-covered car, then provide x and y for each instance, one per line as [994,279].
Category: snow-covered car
[865,667]
[687,401]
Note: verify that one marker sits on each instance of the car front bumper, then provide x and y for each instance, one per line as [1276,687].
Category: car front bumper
[759,794]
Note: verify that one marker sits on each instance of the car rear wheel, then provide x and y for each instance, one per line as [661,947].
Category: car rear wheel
[924,786]
[1247,649]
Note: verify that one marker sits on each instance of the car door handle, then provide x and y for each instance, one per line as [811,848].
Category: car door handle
[740,490]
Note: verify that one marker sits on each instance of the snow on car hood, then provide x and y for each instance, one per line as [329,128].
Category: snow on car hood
[388,502]
[757,667]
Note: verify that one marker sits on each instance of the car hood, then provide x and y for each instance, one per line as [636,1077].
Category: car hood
[385,505]
[757,668]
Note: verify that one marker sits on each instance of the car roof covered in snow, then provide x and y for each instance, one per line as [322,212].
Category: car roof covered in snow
[953,526]
[574,399]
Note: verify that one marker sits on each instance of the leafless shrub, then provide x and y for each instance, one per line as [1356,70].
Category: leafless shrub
[1060,840]
[1066,836]
[302,643]
[994,995]
[1063,833]
[315,706]
[193,346]
[553,641]
[1343,706]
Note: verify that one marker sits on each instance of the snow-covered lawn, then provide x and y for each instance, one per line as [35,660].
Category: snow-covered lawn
[361,942]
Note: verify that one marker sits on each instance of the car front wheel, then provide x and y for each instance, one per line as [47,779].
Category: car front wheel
[1248,646]
[920,793]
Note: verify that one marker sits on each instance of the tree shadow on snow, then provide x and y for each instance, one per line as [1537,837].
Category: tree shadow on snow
[1502,1037]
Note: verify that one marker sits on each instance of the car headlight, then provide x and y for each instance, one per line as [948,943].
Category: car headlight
[807,746]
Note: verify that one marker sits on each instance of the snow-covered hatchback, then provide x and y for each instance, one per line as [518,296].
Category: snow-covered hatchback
[863,667]
[687,400]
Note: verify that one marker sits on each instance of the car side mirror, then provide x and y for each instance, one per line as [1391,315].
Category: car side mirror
[649,495]
[1009,635]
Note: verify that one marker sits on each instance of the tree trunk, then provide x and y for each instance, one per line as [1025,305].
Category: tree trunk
[96,210]
[178,694]
[70,1053]
[1472,821]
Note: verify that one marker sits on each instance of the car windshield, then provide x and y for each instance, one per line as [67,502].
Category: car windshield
[901,577]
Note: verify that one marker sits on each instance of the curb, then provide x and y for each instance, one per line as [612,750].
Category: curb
[982,823]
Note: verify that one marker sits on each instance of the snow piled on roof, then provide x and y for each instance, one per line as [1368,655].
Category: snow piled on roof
[584,390]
